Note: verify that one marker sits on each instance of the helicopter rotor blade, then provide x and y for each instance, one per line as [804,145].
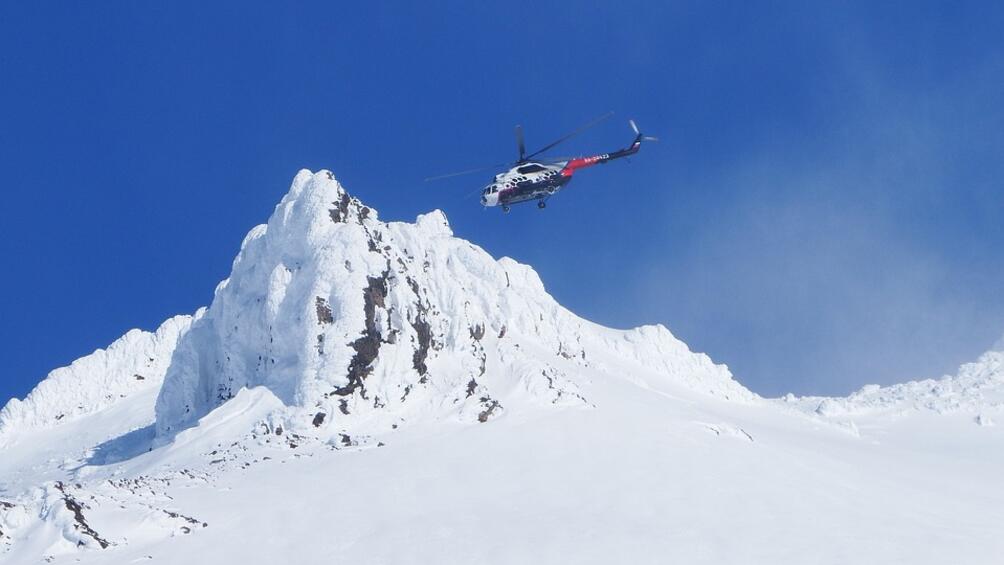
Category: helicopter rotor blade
[467,172]
[568,136]
[519,142]
[473,193]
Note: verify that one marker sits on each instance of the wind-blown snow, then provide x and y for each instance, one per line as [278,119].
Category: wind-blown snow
[380,392]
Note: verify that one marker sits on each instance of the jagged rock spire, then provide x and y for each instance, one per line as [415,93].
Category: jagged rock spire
[340,314]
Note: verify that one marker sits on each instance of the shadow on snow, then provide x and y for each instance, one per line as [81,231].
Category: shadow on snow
[124,447]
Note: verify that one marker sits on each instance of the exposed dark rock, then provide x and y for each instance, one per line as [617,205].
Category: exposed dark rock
[318,419]
[139,377]
[424,333]
[491,405]
[343,405]
[323,311]
[502,332]
[224,392]
[563,353]
[368,345]
[559,393]
[412,285]
[373,240]
[188,519]
[374,295]
[477,332]
[340,212]
[78,516]
[471,386]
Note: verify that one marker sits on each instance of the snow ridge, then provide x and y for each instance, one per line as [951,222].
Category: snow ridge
[135,362]
[976,387]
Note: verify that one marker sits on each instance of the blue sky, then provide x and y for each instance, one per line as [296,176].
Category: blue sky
[824,210]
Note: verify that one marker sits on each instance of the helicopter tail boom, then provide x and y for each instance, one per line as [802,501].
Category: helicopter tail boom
[583,162]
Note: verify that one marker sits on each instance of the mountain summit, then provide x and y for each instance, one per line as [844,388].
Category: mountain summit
[377,392]
[353,322]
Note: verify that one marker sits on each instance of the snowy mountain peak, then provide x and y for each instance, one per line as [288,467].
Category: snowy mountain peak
[499,415]
[352,322]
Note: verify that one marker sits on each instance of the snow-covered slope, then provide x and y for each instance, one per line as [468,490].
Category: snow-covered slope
[383,392]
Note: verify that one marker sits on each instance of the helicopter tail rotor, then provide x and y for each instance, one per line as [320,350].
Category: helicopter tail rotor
[641,137]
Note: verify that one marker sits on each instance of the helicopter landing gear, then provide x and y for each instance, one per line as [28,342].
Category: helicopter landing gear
[541,204]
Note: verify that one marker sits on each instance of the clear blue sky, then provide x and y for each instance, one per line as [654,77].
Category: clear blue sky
[825,208]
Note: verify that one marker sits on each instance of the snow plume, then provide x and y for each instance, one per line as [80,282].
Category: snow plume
[341,315]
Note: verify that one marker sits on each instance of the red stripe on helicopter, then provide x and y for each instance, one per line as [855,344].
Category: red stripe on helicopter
[581,163]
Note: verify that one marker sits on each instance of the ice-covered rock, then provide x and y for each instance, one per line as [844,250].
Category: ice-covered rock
[342,315]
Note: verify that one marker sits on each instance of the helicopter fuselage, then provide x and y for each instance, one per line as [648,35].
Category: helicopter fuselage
[529,181]
[539,181]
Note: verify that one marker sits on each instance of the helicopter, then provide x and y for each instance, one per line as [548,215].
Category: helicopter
[532,178]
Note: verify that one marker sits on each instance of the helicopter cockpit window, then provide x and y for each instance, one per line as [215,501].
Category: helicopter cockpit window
[526,169]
